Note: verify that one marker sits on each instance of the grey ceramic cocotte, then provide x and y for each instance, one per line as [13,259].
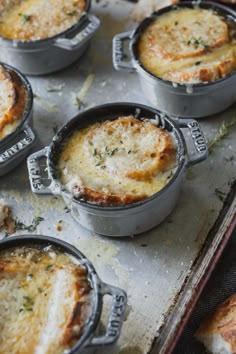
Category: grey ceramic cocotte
[130,219]
[181,100]
[89,339]
[16,146]
[39,57]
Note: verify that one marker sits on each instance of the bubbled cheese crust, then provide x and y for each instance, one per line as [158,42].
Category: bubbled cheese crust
[117,162]
[13,98]
[38,19]
[188,45]
[44,301]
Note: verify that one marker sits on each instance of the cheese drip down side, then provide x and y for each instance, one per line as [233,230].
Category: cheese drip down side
[38,19]
[44,301]
[117,162]
[189,46]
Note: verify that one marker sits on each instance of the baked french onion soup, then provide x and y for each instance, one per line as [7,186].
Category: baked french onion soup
[38,19]
[189,45]
[13,99]
[44,300]
[117,162]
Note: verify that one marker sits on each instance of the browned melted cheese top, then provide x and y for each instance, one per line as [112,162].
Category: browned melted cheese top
[44,301]
[13,98]
[38,19]
[117,162]
[189,46]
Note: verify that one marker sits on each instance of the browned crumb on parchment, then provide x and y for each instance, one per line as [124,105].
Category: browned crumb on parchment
[7,223]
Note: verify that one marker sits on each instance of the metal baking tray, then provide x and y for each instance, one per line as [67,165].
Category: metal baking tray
[221,285]
[160,268]
[177,335]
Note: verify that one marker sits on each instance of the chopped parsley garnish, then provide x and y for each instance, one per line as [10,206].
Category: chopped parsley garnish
[67,210]
[71,13]
[29,300]
[27,305]
[176,23]
[48,267]
[101,156]
[25,18]
[21,226]
[198,62]
[197,42]
[110,152]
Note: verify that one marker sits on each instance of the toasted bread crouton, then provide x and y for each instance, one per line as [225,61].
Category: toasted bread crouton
[7,95]
[184,33]
[217,332]
[202,72]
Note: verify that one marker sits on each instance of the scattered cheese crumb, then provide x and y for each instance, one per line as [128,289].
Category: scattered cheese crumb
[3,213]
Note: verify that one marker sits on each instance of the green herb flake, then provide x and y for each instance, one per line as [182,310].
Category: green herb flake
[129,152]
[40,290]
[176,23]
[30,275]
[25,18]
[197,42]
[78,102]
[29,309]
[111,152]
[48,267]
[198,62]
[71,13]
[94,152]
[221,195]
[67,210]
[32,227]
[29,301]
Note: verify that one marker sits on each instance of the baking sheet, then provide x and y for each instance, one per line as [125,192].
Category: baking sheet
[152,267]
[221,285]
